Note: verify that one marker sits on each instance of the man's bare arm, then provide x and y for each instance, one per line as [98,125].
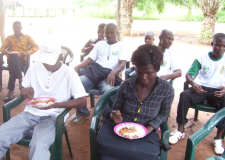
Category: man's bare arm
[111,77]
[83,64]
[175,74]
[196,87]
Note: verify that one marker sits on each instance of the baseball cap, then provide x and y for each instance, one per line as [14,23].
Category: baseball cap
[49,52]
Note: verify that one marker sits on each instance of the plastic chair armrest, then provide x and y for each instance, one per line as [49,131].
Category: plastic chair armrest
[195,138]
[171,81]
[9,106]
[164,138]
[58,133]
[127,64]
[132,74]
[94,128]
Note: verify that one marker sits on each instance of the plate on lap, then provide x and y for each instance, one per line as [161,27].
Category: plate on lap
[13,52]
[41,101]
[130,130]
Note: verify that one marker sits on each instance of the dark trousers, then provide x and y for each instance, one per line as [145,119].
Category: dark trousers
[15,69]
[189,97]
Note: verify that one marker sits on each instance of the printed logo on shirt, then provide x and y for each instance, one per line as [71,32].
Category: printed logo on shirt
[115,53]
[46,50]
[222,70]
[205,69]
[164,64]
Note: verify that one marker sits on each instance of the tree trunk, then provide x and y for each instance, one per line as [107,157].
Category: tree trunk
[209,9]
[208,29]
[128,18]
[119,20]
[2,20]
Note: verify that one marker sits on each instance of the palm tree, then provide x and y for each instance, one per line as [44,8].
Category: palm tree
[144,5]
[209,9]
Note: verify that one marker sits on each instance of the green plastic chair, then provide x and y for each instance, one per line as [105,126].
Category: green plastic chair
[56,147]
[200,106]
[108,98]
[195,138]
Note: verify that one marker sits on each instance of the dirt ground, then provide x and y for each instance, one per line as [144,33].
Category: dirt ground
[74,33]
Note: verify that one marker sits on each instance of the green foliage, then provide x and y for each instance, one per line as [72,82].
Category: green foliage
[150,6]
[96,3]
[220,16]
[96,12]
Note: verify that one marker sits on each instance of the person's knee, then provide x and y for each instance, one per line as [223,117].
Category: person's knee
[39,145]
[87,83]
[3,145]
[105,88]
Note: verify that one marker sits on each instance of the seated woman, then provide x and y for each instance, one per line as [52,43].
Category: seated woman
[145,99]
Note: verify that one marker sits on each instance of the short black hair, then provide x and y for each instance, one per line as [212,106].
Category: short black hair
[17,22]
[101,26]
[111,24]
[218,35]
[147,54]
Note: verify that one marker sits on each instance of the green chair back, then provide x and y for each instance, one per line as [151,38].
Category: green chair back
[195,138]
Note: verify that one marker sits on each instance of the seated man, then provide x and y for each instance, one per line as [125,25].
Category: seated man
[149,38]
[49,78]
[109,55]
[18,43]
[169,64]
[166,38]
[90,44]
[210,86]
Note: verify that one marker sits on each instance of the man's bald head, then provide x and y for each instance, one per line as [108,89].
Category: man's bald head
[164,32]
[111,25]
[17,28]
[149,37]
[166,38]
[150,33]
[111,33]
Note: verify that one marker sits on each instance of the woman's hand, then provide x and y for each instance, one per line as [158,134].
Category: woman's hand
[116,117]
[149,128]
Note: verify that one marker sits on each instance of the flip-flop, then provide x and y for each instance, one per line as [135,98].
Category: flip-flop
[9,98]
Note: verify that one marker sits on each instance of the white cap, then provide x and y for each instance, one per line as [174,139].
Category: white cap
[49,52]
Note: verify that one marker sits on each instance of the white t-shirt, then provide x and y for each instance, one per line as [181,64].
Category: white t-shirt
[168,65]
[108,56]
[61,85]
[211,72]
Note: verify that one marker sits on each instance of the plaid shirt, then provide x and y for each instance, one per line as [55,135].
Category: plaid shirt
[153,111]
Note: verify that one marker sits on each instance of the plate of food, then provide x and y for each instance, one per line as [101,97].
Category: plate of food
[130,130]
[13,52]
[41,101]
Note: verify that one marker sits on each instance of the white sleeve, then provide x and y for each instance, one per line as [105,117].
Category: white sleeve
[174,65]
[27,79]
[76,87]
[122,55]
[94,53]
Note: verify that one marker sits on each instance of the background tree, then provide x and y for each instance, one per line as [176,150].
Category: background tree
[147,6]
[120,19]
[209,9]
[2,19]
